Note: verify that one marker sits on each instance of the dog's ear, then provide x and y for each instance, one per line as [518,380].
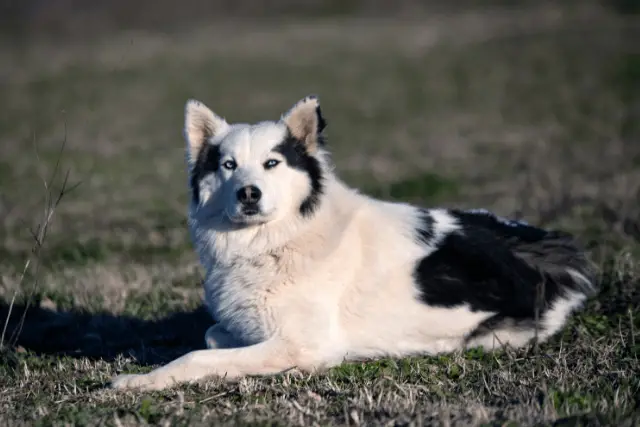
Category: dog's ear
[305,122]
[200,125]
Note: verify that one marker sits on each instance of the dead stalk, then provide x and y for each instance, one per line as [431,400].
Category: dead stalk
[39,235]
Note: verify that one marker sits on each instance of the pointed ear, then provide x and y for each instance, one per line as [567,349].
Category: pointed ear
[305,122]
[200,124]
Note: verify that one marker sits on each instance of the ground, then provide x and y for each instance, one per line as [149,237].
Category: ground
[532,113]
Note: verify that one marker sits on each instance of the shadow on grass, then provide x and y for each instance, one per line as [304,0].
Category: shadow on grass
[105,336]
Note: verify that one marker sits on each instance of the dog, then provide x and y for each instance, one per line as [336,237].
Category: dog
[303,271]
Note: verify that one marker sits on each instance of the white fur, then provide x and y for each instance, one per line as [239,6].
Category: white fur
[310,292]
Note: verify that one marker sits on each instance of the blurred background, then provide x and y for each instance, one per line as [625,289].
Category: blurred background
[529,108]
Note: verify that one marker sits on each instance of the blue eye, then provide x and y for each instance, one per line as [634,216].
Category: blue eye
[229,164]
[270,164]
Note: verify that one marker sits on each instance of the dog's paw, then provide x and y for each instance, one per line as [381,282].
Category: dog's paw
[137,382]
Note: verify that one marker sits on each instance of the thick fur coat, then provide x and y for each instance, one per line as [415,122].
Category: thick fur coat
[302,271]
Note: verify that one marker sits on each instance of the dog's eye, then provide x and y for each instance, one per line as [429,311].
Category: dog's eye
[229,164]
[272,163]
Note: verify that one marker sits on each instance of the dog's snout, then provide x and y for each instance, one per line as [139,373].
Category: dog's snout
[249,194]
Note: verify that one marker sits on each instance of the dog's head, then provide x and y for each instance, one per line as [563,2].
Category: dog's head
[248,174]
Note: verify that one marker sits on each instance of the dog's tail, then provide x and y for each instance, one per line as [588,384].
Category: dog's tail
[559,258]
[556,255]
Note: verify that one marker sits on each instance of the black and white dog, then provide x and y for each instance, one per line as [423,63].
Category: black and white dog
[303,271]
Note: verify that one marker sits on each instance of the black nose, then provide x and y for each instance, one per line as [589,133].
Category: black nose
[249,194]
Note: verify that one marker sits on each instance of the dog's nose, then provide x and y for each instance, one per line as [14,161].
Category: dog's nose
[249,194]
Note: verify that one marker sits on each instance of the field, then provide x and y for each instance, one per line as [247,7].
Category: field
[530,112]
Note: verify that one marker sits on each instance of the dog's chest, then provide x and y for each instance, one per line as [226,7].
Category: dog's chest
[243,297]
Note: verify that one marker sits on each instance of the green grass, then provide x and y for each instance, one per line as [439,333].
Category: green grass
[534,117]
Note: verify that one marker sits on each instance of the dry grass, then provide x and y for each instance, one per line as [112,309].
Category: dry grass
[532,113]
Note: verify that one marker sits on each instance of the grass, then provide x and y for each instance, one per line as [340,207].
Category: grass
[530,114]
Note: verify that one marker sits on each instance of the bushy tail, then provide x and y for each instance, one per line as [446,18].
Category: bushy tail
[559,258]
[555,254]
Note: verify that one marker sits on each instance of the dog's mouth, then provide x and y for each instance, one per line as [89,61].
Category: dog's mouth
[250,210]
[249,214]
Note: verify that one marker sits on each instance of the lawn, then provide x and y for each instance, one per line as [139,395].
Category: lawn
[532,113]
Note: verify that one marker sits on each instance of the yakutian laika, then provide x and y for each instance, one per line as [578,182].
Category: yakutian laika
[303,271]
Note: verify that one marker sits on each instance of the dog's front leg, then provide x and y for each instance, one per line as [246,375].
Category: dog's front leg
[218,337]
[266,358]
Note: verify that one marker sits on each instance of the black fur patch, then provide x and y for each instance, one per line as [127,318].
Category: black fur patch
[297,157]
[322,124]
[208,161]
[425,231]
[508,268]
